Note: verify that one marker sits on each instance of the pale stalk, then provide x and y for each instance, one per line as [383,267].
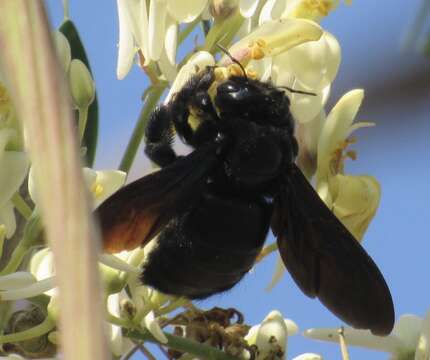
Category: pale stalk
[43,104]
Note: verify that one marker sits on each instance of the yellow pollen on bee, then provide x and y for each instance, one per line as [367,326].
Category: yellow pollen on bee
[194,118]
[220,74]
[194,122]
[97,189]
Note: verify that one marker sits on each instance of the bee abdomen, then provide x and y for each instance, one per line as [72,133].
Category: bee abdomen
[210,248]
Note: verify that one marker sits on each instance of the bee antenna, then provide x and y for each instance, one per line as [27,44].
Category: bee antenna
[291,90]
[225,51]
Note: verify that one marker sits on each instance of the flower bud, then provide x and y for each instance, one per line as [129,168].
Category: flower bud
[36,347]
[82,86]
[63,50]
[270,336]
[222,9]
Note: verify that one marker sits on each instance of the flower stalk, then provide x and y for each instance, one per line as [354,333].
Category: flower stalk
[152,97]
[43,104]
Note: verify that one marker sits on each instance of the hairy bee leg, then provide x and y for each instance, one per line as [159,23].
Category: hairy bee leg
[193,94]
[159,136]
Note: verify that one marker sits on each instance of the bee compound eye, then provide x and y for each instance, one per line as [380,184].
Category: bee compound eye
[228,87]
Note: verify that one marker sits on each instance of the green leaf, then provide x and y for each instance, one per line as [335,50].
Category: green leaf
[89,140]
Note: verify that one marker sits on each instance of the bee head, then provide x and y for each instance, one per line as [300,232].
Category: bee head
[257,101]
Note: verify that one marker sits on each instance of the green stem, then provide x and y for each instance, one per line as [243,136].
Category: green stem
[32,232]
[172,306]
[15,259]
[36,331]
[2,238]
[66,9]
[206,26]
[82,122]
[187,30]
[183,345]
[115,320]
[153,95]
[225,28]
[20,204]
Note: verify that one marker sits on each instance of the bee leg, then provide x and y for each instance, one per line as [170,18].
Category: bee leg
[159,136]
[194,94]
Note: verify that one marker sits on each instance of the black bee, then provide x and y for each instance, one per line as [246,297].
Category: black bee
[212,209]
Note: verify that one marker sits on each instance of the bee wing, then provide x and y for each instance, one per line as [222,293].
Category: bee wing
[137,212]
[326,261]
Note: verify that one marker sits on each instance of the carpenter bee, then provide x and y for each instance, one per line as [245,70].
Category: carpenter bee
[212,209]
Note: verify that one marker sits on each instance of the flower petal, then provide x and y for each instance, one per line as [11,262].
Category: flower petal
[171,40]
[354,337]
[151,323]
[156,27]
[355,201]
[306,107]
[16,280]
[110,181]
[337,128]
[44,286]
[272,335]
[247,7]
[185,11]
[126,48]
[197,62]
[279,35]
[7,218]
[116,340]
[316,63]
[14,165]
[407,329]
[272,10]
[423,348]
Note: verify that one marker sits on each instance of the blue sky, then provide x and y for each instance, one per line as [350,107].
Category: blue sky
[396,152]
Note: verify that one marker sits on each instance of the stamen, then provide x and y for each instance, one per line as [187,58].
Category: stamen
[97,189]
[234,60]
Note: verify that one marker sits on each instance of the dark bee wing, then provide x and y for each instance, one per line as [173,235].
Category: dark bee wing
[138,211]
[326,261]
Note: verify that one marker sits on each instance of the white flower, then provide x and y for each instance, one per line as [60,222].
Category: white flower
[196,62]
[354,199]
[101,183]
[309,9]
[150,322]
[309,67]
[118,344]
[247,7]
[152,29]
[270,336]
[16,163]
[408,340]
[185,11]
[133,29]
